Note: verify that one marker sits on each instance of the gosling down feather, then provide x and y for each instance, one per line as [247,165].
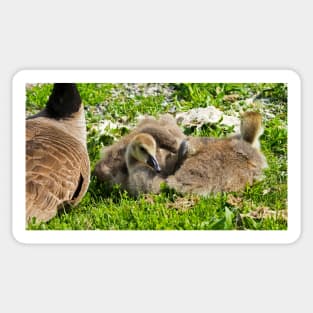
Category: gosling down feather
[57,163]
[112,168]
[142,165]
[211,165]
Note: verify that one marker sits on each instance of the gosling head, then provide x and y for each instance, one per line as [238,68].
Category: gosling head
[142,149]
[251,127]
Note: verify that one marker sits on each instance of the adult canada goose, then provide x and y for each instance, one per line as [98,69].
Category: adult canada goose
[168,136]
[210,165]
[142,165]
[57,163]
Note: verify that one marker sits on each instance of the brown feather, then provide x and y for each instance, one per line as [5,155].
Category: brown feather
[55,164]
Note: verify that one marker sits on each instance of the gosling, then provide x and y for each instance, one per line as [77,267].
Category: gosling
[112,168]
[142,165]
[211,165]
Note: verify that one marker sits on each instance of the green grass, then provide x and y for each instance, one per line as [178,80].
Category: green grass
[262,206]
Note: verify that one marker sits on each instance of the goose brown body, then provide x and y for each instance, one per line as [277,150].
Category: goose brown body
[57,163]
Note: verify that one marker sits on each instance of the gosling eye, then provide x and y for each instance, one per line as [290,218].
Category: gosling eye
[142,149]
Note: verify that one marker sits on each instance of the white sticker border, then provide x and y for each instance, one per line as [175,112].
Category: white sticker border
[156,237]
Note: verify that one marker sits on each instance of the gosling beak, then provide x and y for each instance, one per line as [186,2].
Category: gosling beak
[154,163]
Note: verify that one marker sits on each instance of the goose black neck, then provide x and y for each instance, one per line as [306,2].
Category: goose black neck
[63,101]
